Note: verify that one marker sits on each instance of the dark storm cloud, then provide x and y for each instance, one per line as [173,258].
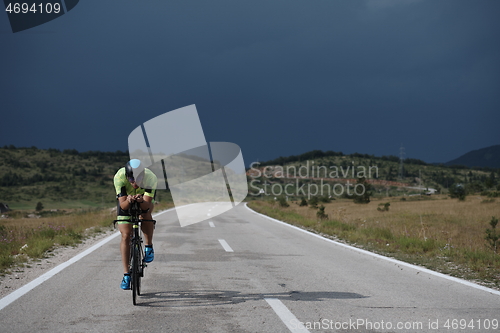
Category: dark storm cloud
[275,77]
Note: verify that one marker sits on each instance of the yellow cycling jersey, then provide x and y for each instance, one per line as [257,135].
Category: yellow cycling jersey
[123,186]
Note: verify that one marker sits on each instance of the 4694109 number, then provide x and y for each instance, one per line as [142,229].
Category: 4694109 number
[24,8]
[480,324]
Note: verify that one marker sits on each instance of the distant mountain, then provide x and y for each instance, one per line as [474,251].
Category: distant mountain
[485,157]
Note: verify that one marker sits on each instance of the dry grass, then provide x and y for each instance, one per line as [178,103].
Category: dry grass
[77,221]
[459,224]
[21,238]
[440,233]
[33,237]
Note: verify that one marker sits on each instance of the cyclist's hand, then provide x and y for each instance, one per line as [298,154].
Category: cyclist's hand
[131,198]
[137,198]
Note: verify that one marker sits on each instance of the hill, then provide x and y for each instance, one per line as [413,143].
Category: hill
[59,179]
[485,157]
[72,179]
[384,173]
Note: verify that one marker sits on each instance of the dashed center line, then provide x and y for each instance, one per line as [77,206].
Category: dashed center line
[211,224]
[286,316]
[225,245]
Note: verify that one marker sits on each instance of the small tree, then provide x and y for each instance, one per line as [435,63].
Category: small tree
[39,206]
[457,191]
[313,202]
[363,198]
[438,189]
[321,213]
[303,202]
[492,236]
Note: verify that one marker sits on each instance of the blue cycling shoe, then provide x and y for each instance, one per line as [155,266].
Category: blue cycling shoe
[125,282]
[149,254]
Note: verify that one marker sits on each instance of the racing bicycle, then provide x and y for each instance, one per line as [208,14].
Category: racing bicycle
[137,264]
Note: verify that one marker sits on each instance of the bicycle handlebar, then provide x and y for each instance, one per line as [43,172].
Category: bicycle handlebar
[133,210]
[137,221]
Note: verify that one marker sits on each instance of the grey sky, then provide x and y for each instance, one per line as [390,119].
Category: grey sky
[275,77]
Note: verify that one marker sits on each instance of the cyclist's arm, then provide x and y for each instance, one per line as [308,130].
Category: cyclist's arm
[149,192]
[121,190]
[147,202]
[125,201]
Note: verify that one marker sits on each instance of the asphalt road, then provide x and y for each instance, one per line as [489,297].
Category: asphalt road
[241,272]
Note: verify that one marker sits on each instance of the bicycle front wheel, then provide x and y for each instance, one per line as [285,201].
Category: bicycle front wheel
[135,274]
[140,269]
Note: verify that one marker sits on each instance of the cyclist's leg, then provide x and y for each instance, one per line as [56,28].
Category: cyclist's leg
[148,227]
[126,231]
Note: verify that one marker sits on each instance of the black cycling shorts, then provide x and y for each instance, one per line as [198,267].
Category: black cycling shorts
[124,213]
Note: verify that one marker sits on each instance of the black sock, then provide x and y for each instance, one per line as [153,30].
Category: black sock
[151,246]
[126,274]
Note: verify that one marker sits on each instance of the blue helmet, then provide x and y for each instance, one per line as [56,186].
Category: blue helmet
[130,166]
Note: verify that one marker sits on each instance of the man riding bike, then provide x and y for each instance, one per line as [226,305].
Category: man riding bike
[129,189]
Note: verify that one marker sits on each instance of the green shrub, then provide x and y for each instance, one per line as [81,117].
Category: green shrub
[282,202]
[325,199]
[492,235]
[383,207]
[321,213]
[313,202]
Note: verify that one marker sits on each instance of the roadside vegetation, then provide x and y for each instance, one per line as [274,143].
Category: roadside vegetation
[440,233]
[58,179]
[23,238]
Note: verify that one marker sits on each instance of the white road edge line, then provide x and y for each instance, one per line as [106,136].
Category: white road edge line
[225,245]
[402,263]
[286,316]
[44,277]
[211,224]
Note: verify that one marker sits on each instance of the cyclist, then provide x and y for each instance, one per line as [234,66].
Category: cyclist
[140,189]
